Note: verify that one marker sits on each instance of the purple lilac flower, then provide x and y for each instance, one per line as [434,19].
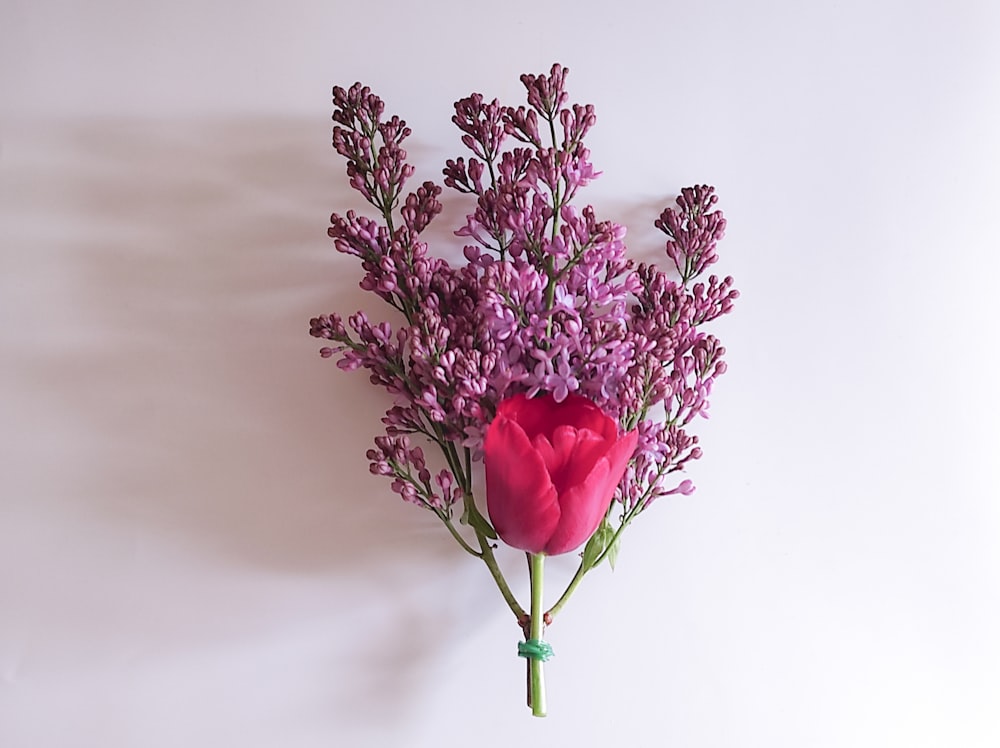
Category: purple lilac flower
[546,300]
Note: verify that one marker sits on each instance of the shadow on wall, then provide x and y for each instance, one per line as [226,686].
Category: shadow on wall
[173,408]
[170,375]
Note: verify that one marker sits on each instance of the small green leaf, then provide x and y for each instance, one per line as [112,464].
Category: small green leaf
[592,550]
[597,543]
[613,552]
[477,521]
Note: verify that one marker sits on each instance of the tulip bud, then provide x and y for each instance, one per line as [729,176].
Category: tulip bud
[551,470]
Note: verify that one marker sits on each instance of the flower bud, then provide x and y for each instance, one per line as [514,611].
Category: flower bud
[551,470]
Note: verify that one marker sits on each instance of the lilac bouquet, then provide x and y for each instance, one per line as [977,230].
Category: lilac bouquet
[570,371]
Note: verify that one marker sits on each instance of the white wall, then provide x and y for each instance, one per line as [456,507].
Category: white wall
[191,549]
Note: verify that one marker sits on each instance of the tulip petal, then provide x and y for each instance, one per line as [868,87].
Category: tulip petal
[621,453]
[585,502]
[520,498]
[583,506]
[541,415]
[570,455]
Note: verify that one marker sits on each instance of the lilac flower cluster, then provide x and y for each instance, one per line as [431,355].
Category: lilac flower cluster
[545,302]
[396,457]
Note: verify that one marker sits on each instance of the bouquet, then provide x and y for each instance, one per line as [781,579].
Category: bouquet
[570,372]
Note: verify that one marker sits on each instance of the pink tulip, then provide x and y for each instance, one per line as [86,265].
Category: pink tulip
[551,471]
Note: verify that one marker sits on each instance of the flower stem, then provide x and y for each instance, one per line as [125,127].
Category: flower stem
[459,539]
[485,552]
[491,563]
[581,570]
[536,678]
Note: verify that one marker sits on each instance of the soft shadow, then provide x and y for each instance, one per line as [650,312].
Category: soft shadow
[191,256]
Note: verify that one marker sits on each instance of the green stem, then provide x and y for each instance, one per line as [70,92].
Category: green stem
[536,690]
[489,559]
[573,583]
[581,570]
[455,534]
[485,551]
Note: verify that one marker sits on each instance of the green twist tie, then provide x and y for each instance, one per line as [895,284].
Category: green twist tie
[535,649]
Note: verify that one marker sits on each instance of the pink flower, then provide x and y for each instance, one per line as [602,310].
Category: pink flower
[551,470]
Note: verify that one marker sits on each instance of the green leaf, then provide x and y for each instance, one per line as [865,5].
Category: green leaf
[477,521]
[597,544]
[613,552]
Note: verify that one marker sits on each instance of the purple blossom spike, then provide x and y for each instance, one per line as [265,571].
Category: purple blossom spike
[546,93]
[545,299]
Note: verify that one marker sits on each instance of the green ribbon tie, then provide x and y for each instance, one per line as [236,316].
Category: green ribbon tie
[535,649]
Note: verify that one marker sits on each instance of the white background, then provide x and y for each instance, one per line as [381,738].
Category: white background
[192,552]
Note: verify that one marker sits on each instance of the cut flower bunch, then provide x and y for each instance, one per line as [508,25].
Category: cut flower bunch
[570,371]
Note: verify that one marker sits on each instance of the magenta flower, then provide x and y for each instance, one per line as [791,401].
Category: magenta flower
[551,471]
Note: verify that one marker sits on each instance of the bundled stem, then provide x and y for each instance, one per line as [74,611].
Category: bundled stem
[536,675]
